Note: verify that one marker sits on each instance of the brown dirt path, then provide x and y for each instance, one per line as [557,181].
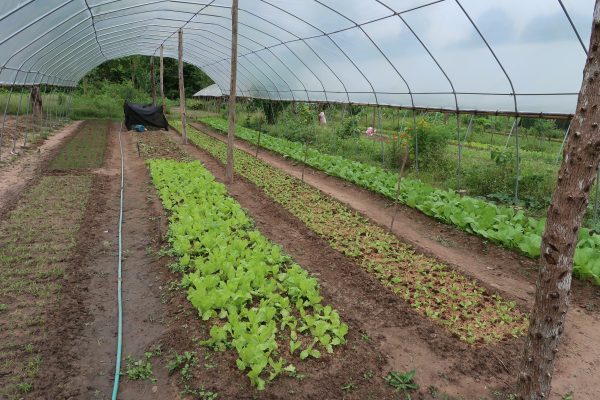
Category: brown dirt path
[143,311]
[17,175]
[509,273]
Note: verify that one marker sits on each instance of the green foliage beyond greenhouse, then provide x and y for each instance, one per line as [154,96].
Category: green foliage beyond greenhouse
[503,225]
[432,289]
[257,296]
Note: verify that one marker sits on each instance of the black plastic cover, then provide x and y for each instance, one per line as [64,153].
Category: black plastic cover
[142,114]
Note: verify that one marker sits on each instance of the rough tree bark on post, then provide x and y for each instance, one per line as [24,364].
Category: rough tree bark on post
[232,91]
[152,82]
[35,98]
[162,80]
[134,62]
[182,91]
[568,206]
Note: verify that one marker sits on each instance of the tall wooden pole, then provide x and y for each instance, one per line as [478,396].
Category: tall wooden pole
[567,209]
[182,90]
[152,82]
[162,83]
[232,90]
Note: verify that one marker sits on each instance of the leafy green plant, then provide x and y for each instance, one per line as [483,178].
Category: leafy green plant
[502,157]
[348,127]
[25,387]
[503,225]
[403,382]
[199,393]
[448,298]
[349,386]
[429,142]
[240,279]
[138,369]
[184,362]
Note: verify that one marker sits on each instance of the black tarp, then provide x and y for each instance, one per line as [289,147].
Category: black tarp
[147,115]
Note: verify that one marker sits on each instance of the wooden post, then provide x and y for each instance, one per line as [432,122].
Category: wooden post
[400,175]
[133,70]
[182,90]
[162,83]
[567,208]
[232,90]
[35,99]
[152,83]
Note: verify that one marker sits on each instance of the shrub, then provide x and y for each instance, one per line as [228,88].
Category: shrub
[348,127]
[484,179]
[432,141]
[194,104]
[298,126]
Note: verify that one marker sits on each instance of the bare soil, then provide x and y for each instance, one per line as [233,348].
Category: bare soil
[94,347]
[18,174]
[499,269]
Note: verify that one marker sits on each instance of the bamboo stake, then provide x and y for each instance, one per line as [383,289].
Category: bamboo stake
[162,85]
[404,160]
[182,90]
[152,82]
[16,131]
[232,90]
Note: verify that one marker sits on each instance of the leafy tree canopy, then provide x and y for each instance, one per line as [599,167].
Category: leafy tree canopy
[135,70]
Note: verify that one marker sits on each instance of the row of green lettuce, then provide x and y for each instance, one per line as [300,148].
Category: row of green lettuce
[256,295]
[502,225]
[434,290]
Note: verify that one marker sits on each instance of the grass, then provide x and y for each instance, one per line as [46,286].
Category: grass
[53,101]
[36,243]
[433,289]
[85,150]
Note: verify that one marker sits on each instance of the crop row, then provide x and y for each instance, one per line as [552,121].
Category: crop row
[433,289]
[533,154]
[257,296]
[502,225]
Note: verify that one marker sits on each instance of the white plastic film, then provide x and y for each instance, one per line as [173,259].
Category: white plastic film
[509,56]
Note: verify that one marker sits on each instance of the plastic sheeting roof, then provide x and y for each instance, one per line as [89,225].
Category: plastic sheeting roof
[210,91]
[495,55]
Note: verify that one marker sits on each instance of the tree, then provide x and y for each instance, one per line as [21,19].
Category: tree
[568,206]
[136,69]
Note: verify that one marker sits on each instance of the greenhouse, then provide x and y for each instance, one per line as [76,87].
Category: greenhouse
[315,199]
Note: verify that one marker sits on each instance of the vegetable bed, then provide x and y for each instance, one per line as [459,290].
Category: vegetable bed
[432,288]
[502,225]
[85,150]
[263,305]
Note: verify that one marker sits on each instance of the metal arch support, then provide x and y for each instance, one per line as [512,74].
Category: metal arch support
[204,6]
[4,117]
[94,26]
[573,26]
[26,130]
[453,93]
[562,145]
[512,88]
[14,143]
[329,38]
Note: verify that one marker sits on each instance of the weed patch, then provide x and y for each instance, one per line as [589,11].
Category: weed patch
[36,242]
